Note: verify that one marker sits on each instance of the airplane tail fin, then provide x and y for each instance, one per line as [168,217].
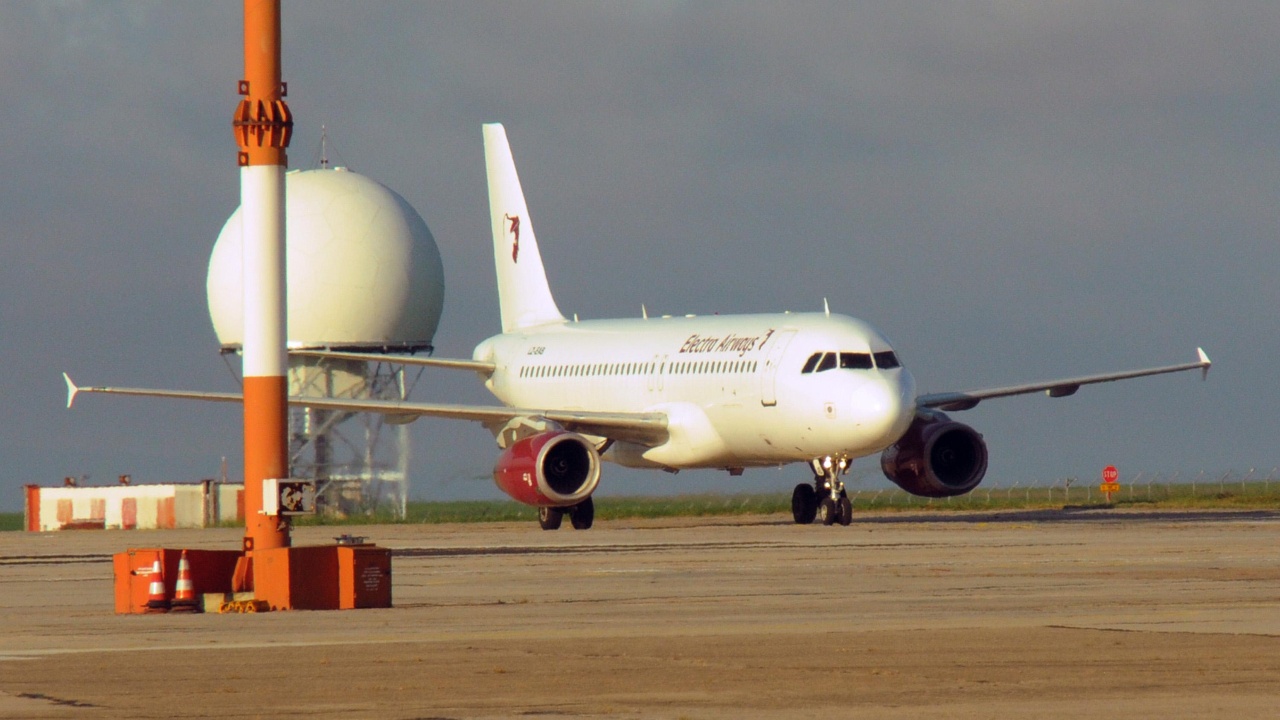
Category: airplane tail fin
[523,293]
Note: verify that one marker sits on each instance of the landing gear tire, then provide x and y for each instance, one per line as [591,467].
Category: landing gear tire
[582,515]
[827,511]
[550,517]
[844,510]
[804,504]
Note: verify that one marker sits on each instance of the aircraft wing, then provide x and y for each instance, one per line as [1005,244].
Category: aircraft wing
[483,368]
[642,428]
[954,401]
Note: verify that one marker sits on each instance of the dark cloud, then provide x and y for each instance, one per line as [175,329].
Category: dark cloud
[1010,190]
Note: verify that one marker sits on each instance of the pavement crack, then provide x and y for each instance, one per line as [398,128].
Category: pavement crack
[55,701]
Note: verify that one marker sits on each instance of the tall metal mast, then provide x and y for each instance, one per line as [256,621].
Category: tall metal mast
[262,127]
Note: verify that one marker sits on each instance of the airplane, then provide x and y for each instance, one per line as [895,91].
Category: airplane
[726,392]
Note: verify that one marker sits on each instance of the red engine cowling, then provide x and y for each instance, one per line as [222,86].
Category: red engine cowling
[551,469]
[937,457]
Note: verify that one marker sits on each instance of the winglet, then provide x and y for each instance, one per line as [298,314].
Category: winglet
[71,389]
[1205,363]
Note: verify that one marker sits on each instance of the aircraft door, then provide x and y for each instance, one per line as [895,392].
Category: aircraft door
[769,378]
[656,372]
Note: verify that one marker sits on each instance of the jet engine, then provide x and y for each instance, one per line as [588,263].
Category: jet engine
[937,457]
[550,469]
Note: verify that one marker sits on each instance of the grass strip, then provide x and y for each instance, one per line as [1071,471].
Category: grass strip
[1234,496]
[1257,496]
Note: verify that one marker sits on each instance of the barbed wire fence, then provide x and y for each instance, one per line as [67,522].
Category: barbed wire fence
[1141,487]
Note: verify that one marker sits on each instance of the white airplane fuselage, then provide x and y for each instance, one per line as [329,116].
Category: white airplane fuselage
[731,386]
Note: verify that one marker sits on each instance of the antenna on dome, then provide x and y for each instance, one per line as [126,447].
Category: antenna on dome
[324,148]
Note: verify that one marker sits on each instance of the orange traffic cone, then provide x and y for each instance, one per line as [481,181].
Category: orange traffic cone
[157,600]
[184,593]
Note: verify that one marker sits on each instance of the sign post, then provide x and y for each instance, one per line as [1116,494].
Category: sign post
[1110,481]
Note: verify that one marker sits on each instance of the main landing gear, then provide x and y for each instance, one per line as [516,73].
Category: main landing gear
[825,500]
[580,516]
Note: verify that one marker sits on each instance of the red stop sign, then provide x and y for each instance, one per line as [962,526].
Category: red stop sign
[1110,474]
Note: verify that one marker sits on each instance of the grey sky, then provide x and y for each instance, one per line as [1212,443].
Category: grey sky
[1010,191]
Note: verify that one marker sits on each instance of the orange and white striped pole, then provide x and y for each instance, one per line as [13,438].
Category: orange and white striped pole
[262,127]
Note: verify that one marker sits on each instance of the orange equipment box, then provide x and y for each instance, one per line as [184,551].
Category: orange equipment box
[364,577]
[324,577]
[211,572]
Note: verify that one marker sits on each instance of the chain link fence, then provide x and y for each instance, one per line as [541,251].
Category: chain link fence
[1230,487]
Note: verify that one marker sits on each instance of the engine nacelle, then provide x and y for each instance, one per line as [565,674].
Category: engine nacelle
[550,469]
[937,457]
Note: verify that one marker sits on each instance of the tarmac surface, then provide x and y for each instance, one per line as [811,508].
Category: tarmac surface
[1061,614]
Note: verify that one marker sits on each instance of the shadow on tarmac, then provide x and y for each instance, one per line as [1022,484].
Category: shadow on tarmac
[1069,514]
[1073,514]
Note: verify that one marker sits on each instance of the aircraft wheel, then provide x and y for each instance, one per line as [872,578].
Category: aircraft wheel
[550,517]
[582,515]
[844,510]
[827,511]
[804,504]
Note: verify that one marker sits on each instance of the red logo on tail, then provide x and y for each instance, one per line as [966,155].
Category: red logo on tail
[514,230]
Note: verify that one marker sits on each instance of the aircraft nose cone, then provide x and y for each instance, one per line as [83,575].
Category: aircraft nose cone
[883,408]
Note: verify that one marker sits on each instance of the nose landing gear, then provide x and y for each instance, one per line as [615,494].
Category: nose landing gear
[825,500]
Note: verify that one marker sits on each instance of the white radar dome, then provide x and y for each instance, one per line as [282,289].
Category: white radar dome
[363,269]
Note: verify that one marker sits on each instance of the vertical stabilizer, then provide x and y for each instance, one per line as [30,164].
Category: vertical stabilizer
[523,294]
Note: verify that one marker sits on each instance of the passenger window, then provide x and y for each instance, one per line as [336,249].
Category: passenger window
[855,361]
[811,363]
[828,362]
[886,360]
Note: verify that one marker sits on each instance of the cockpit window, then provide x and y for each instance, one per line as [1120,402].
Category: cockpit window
[855,361]
[820,361]
[886,360]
